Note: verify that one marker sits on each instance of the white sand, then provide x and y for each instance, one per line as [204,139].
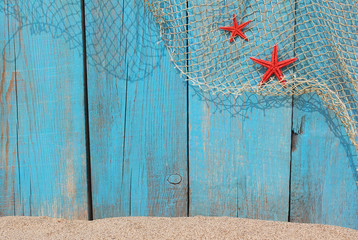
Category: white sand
[166,228]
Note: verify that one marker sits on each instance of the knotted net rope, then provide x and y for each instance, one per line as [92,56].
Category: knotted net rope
[321,34]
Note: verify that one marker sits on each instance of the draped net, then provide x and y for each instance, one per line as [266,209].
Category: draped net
[321,34]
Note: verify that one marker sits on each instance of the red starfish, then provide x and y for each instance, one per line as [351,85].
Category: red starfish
[273,67]
[236,29]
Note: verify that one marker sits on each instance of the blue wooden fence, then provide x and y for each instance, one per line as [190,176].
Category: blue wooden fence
[125,135]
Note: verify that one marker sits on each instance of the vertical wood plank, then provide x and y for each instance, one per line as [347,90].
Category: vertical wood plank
[146,126]
[51,167]
[107,76]
[240,154]
[9,184]
[155,151]
[324,175]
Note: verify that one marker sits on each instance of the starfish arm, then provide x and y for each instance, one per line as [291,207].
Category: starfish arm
[279,75]
[234,21]
[286,62]
[274,58]
[264,63]
[241,34]
[266,76]
[244,24]
[227,28]
[233,35]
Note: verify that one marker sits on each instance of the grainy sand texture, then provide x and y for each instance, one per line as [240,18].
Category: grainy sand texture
[166,228]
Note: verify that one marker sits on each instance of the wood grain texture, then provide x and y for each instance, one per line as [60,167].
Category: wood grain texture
[9,178]
[240,154]
[239,149]
[324,164]
[138,117]
[324,173]
[51,162]
[106,44]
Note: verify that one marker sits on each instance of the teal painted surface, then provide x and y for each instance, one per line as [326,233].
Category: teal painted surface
[324,162]
[138,115]
[9,180]
[48,161]
[156,122]
[324,173]
[107,98]
[240,154]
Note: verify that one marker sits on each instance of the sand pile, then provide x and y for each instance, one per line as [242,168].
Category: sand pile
[166,228]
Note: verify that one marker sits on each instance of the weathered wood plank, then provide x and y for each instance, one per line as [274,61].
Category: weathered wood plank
[51,160]
[324,174]
[107,73]
[9,180]
[324,163]
[145,107]
[240,154]
[155,151]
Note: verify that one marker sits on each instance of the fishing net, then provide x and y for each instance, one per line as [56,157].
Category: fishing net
[321,34]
